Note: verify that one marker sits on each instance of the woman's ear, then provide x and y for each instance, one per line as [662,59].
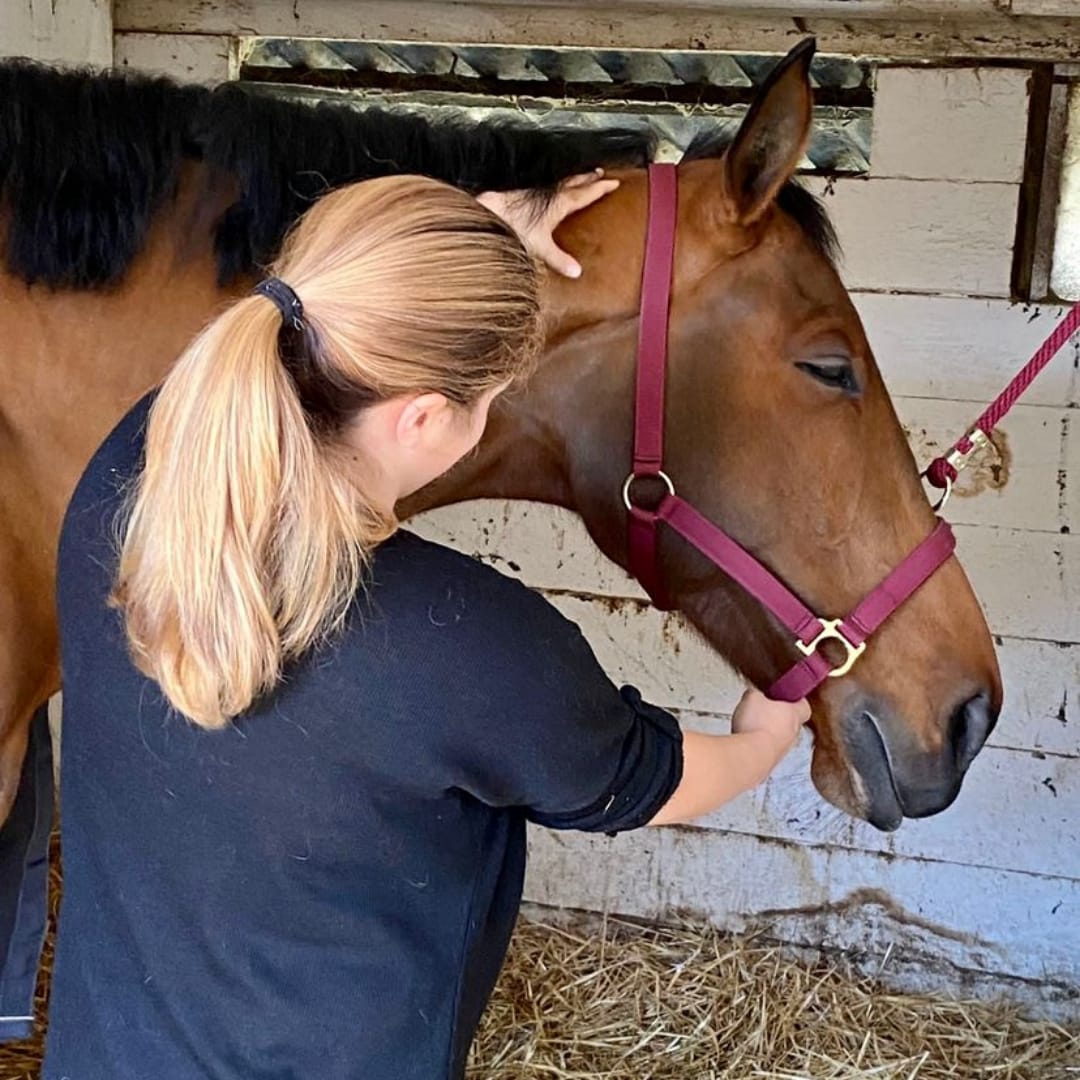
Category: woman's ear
[420,416]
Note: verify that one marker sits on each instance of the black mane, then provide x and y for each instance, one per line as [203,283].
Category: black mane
[86,160]
[806,208]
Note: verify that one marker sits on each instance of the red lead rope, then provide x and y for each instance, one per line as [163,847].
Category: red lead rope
[942,471]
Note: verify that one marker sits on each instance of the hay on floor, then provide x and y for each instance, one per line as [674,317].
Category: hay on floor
[625,1002]
[617,1001]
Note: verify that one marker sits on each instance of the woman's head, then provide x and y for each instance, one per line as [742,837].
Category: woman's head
[275,451]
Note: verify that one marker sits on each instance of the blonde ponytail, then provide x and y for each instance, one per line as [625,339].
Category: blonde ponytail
[248,535]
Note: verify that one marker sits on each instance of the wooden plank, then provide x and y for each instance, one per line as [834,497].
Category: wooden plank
[544,546]
[672,666]
[660,654]
[862,9]
[58,31]
[965,349]
[1042,696]
[201,58]
[667,660]
[1065,266]
[923,236]
[56,716]
[1025,580]
[1022,925]
[1068,476]
[1042,7]
[1036,830]
[1046,199]
[1028,259]
[950,123]
[605,25]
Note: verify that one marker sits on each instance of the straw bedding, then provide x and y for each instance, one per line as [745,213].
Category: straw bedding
[618,1001]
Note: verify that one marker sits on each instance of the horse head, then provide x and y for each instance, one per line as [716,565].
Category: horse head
[780,430]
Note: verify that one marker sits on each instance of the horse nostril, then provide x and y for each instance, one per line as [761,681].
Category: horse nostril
[972,723]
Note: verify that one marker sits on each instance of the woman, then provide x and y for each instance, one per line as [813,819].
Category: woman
[301,746]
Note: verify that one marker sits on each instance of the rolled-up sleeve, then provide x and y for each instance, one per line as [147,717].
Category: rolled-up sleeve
[537,724]
[649,771]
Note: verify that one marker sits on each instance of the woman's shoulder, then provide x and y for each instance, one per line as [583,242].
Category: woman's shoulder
[407,555]
[452,583]
[121,452]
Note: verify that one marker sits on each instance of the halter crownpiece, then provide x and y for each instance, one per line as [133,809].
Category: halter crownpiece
[284,299]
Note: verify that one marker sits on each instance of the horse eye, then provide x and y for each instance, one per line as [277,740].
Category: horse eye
[837,374]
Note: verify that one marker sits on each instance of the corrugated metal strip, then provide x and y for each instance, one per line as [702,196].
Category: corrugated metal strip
[677,94]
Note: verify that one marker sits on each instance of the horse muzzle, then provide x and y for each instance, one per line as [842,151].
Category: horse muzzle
[900,779]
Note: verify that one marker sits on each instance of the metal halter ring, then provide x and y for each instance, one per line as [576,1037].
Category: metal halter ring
[831,631]
[658,475]
[945,496]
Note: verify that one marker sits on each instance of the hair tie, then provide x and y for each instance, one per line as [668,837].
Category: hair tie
[284,299]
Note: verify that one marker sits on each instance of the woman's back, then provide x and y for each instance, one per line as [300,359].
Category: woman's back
[324,887]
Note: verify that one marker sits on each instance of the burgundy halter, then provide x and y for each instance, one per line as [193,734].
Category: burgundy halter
[810,631]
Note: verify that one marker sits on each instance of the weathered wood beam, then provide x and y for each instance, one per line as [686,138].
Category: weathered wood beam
[959,29]
[57,31]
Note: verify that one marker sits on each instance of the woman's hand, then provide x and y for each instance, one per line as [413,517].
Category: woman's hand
[777,721]
[537,227]
[716,768]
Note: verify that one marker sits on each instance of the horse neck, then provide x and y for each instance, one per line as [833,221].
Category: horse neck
[94,353]
[531,447]
[520,457]
[526,450]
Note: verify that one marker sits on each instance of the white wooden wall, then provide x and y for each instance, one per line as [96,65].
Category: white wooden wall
[57,31]
[990,889]
[987,894]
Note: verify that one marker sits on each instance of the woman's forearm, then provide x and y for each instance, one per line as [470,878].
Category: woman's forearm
[716,768]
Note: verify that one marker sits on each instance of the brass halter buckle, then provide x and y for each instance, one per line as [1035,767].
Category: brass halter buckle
[831,631]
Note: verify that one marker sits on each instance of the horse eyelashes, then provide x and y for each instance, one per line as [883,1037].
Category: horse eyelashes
[837,376]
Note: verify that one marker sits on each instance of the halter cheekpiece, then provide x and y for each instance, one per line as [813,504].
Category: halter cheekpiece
[284,299]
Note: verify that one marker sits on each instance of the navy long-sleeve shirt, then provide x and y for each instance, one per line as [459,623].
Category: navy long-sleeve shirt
[325,888]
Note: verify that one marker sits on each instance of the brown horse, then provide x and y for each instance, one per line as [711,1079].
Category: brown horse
[133,210]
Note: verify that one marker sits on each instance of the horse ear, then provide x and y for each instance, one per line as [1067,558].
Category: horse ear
[773,135]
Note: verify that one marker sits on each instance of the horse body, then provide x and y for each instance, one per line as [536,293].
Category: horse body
[816,480]
[71,363]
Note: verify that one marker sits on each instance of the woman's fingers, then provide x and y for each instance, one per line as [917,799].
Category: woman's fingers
[570,200]
[562,262]
[573,196]
[581,179]
[537,232]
